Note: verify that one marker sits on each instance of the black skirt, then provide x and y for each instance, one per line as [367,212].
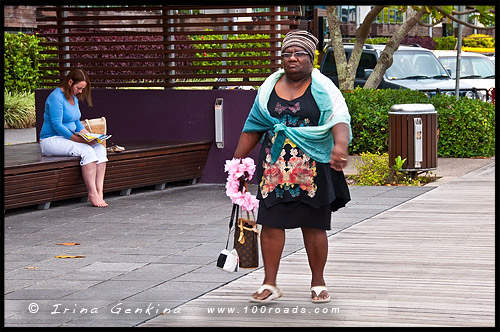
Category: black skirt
[297,214]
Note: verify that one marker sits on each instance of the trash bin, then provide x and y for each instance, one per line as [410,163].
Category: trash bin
[413,135]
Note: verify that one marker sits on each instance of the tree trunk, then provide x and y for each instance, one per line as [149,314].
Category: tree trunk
[385,60]
[338,47]
[346,71]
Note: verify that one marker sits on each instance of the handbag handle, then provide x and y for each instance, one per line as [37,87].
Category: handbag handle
[88,124]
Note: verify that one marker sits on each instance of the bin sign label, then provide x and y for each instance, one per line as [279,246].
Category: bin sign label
[417,126]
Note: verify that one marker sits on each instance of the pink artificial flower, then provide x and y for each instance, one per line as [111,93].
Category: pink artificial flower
[236,169]
[232,166]
[248,165]
[247,201]
[232,186]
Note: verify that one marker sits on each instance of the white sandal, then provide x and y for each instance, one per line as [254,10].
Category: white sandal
[275,293]
[317,290]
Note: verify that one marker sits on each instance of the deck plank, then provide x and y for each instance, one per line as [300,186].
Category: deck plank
[427,262]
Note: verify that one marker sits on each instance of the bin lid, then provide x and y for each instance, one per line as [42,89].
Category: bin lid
[412,109]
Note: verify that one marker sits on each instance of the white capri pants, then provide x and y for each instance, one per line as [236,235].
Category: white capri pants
[60,146]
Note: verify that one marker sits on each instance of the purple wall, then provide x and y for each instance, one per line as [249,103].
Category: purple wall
[162,115]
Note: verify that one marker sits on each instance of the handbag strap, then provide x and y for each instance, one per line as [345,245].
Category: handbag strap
[234,214]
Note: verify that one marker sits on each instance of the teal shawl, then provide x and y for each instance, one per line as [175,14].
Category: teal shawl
[316,141]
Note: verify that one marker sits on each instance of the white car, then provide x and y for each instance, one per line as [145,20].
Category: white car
[475,69]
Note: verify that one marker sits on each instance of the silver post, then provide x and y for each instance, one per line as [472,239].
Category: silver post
[459,50]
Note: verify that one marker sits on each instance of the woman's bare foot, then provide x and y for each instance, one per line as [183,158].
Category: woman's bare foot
[97,201]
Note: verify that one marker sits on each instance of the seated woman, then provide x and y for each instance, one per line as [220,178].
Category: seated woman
[61,122]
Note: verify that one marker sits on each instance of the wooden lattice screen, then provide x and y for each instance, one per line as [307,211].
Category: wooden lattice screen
[163,46]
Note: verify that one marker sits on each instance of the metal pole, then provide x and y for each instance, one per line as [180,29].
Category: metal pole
[171,46]
[459,50]
[278,27]
[65,40]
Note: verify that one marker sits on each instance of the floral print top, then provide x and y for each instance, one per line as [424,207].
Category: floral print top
[294,176]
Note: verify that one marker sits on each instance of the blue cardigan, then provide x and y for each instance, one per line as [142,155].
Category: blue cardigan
[60,117]
[316,141]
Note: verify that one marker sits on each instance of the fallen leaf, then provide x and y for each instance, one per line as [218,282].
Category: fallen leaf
[70,256]
[68,244]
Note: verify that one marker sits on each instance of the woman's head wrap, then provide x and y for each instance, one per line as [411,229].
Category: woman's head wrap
[300,38]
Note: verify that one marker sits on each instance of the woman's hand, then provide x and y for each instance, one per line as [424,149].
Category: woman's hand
[338,159]
[79,139]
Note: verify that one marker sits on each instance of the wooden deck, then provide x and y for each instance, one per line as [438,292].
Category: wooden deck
[30,178]
[427,262]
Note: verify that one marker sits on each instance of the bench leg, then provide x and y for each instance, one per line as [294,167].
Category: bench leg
[43,206]
[193,181]
[126,192]
[160,186]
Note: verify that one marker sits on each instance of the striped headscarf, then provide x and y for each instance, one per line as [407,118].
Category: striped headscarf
[300,38]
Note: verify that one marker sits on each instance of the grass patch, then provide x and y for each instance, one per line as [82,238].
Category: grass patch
[19,110]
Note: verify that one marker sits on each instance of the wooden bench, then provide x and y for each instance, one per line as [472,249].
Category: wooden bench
[31,178]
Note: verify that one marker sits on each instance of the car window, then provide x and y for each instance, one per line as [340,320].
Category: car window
[412,64]
[469,66]
[329,67]
[367,61]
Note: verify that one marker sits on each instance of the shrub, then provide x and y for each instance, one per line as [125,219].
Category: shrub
[378,40]
[445,43]
[466,126]
[112,68]
[426,42]
[373,169]
[19,110]
[370,116]
[234,57]
[21,62]
[479,41]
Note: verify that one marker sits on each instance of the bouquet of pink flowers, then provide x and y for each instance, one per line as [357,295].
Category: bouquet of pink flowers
[240,171]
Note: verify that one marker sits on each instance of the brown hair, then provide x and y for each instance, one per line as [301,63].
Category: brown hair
[77,75]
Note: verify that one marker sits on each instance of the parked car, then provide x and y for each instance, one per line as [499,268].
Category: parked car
[475,69]
[413,67]
[491,56]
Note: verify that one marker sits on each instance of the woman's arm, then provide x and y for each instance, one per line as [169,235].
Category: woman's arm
[247,142]
[338,159]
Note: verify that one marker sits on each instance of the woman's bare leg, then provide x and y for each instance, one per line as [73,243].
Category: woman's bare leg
[272,241]
[89,173]
[316,243]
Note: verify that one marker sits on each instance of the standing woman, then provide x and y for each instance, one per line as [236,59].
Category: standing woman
[61,120]
[306,127]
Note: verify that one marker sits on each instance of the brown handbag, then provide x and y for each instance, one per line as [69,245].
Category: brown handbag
[246,241]
[96,126]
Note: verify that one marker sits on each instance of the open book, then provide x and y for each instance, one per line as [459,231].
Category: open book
[89,137]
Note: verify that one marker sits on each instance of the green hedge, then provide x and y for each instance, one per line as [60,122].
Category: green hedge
[21,61]
[441,43]
[466,127]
